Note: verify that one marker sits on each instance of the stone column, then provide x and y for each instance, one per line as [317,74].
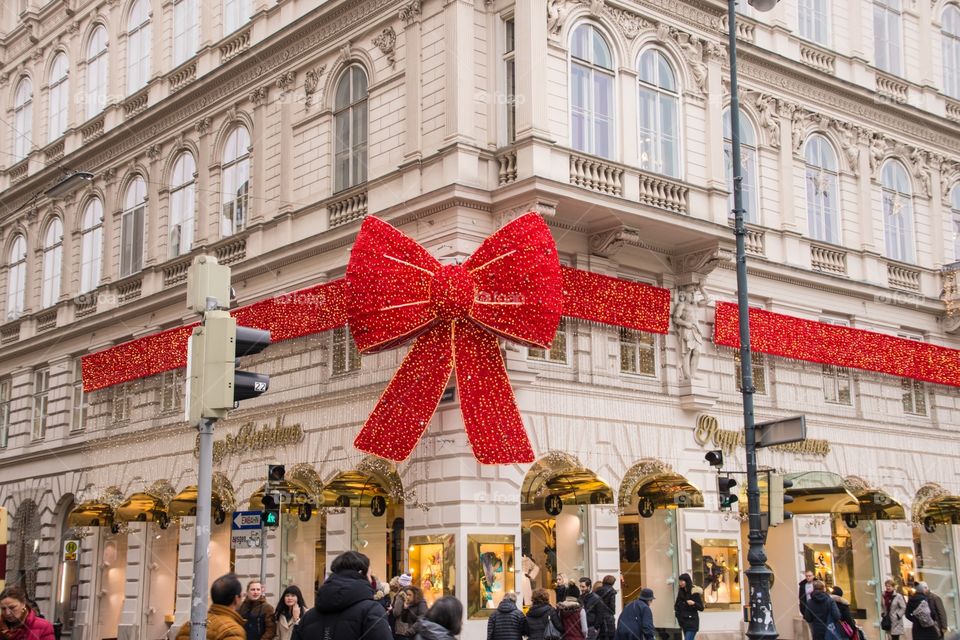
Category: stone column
[532,56]
[460,71]
[413,88]
[207,219]
[153,229]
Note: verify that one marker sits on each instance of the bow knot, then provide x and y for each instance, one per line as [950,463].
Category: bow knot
[452,292]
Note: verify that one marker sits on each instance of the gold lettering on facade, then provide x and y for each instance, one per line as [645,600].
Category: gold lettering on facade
[249,438]
[707,432]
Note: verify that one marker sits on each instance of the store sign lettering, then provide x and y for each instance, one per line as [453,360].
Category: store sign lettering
[250,438]
[708,433]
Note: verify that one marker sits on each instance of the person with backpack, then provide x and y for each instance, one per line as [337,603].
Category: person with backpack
[939,611]
[894,609]
[541,617]
[688,605]
[922,615]
[573,618]
[507,622]
[259,621]
[345,608]
[822,614]
[636,621]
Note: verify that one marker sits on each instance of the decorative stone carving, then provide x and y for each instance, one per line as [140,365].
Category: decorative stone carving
[850,140]
[231,113]
[879,147]
[686,317]
[693,52]
[258,95]
[609,243]
[410,13]
[949,175]
[767,109]
[203,125]
[693,268]
[919,159]
[387,42]
[285,81]
[630,24]
[311,83]
[153,152]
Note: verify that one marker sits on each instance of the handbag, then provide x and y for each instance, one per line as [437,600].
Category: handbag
[847,630]
[885,622]
[860,634]
[551,632]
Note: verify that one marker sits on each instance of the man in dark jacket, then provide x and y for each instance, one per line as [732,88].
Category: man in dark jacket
[805,591]
[922,631]
[345,608]
[539,613]
[608,596]
[507,622]
[592,605]
[821,612]
[936,604]
[636,621]
[257,614]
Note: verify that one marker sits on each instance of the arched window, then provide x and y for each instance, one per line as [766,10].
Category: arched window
[16,278]
[659,114]
[897,212]
[52,263]
[887,35]
[951,50]
[96,71]
[182,205]
[91,245]
[22,120]
[591,93]
[823,194]
[236,13]
[185,31]
[350,116]
[59,96]
[138,46]
[131,227]
[955,215]
[236,181]
[748,165]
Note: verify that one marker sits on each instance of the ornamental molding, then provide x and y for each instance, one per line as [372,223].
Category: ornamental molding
[949,175]
[310,84]
[286,80]
[387,43]
[768,114]
[694,267]
[410,13]
[609,243]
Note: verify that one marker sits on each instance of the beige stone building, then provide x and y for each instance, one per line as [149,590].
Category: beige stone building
[263,132]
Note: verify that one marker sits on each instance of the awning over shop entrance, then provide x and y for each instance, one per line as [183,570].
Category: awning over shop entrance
[147,506]
[820,492]
[221,497]
[935,505]
[353,489]
[561,474]
[874,503]
[91,514]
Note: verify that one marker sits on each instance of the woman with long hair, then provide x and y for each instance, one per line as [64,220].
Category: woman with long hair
[443,621]
[288,612]
[414,608]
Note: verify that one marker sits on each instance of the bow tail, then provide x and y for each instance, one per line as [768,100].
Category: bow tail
[409,401]
[490,413]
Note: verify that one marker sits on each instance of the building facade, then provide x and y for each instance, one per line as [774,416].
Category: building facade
[264,132]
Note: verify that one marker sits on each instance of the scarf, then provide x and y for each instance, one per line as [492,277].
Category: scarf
[887,600]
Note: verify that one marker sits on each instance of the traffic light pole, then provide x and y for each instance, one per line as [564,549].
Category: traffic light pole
[201,566]
[265,533]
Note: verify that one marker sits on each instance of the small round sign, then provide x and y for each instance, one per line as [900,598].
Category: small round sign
[553,505]
[378,506]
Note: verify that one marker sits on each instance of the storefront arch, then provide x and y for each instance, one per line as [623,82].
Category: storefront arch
[222,497]
[24,548]
[874,503]
[150,505]
[66,596]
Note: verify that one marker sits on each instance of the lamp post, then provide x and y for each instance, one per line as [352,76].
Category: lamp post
[761,626]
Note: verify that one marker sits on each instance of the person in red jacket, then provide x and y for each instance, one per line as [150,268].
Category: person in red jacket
[18,621]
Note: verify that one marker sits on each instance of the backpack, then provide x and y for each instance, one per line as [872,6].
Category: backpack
[923,615]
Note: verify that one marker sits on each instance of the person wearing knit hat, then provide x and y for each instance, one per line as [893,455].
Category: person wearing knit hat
[405,581]
[688,605]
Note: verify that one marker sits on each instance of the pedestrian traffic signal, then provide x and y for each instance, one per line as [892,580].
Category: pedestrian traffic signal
[725,486]
[778,498]
[271,511]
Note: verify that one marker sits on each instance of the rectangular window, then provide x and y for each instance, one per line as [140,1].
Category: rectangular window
[184,31]
[78,408]
[346,357]
[558,349]
[41,392]
[814,21]
[171,391]
[758,368]
[511,80]
[914,397]
[131,241]
[121,403]
[638,352]
[836,384]
[6,397]
[887,30]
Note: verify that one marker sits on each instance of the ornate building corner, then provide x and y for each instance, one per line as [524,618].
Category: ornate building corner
[410,13]
[387,42]
[311,82]
[608,243]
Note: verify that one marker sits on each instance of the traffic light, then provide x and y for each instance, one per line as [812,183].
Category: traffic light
[778,498]
[715,458]
[271,511]
[276,473]
[724,488]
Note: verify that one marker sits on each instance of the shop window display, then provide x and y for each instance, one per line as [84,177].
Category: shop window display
[903,570]
[819,559]
[490,572]
[432,565]
[716,569]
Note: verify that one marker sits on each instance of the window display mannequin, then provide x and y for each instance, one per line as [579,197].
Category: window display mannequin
[491,579]
[530,572]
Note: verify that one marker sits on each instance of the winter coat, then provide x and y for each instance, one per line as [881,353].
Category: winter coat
[802,595]
[406,618]
[33,627]
[259,620]
[898,608]
[345,610]
[688,616]
[938,611]
[844,608]
[608,622]
[921,632]
[574,620]
[506,623]
[427,630]
[223,623]
[636,622]
[594,607]
[821,611]
[537,617]
[285,627]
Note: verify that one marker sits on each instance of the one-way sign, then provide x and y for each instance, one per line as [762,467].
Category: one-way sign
[245,530]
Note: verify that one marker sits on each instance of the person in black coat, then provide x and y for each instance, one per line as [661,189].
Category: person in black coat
[821,613]
[538,614]
[844,607]
[921,632]
[805,591]
[608,596]
[560,588]
[688,605]
[592,604]
[345,608]
[507,622]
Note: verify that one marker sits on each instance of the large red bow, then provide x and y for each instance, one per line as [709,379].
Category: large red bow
[511,287]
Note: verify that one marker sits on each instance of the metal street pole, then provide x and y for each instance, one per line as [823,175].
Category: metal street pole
[201,568]
[761,626]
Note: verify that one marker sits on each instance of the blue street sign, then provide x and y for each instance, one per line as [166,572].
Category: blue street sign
[244,520]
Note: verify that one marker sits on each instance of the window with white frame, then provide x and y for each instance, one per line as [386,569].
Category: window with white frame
[814,21]
[748,165]
[659,114]
[558,348]
[52,263]
[955,216]
[836,380]
[91,245]
[78,402]
[6,398]
[22,133]
[638,353]
[58,93]
[96,71]
[41,392]
[171,390]
[897,212]
[236,13]
[185,30]
[236,181]
[823,194]
[950,35]
[758,368]
[120,402]
[131,227]
[345,357]
[182,205]
[510,78]
[914,395]
[350,129]
[138,46]
[17,278]
[592,80]
[888,35]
